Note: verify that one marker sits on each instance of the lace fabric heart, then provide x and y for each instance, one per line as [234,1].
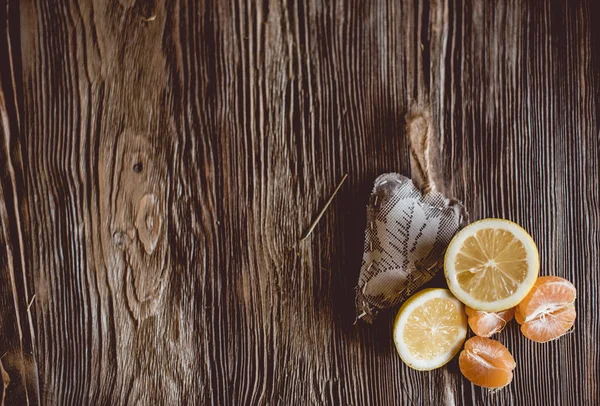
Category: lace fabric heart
[406,236]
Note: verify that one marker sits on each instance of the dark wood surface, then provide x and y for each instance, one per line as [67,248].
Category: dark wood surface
[159,161]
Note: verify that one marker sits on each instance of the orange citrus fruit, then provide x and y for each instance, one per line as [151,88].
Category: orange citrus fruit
[486,362]
[486,324]
[548,310]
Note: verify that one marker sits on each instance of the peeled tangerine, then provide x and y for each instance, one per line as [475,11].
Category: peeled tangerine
[486,324]
[548,310]
[486,362]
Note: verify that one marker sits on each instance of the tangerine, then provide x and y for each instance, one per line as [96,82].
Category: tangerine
[486,324]
[548,310]
[486,362]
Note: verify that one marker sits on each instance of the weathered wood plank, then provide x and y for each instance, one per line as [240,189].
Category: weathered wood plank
[18,366]
[161,159]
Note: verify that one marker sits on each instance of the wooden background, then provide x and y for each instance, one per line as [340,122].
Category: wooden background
[159,161]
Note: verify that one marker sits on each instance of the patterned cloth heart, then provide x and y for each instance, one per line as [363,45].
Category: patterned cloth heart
[406,236]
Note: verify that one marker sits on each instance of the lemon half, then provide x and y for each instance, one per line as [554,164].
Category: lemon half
[430,329]
[491,265]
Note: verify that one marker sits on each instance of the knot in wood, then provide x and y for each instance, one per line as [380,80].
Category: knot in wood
[120,239]
[149,222]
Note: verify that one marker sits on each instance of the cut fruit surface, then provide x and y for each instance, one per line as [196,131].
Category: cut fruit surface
[429,329]
[486,362]
[491,265]
[548,311]
[486,324]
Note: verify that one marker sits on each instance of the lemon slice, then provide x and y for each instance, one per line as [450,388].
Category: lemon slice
[491,265]
[429,329]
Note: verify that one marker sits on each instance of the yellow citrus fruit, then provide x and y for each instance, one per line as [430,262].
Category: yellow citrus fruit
[429,329]
[491,265]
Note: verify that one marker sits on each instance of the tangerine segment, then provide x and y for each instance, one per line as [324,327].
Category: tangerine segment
[486,362]
[552,327]
[548,311]
[486,324]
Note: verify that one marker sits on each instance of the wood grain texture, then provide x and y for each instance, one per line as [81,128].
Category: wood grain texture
[159,161]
